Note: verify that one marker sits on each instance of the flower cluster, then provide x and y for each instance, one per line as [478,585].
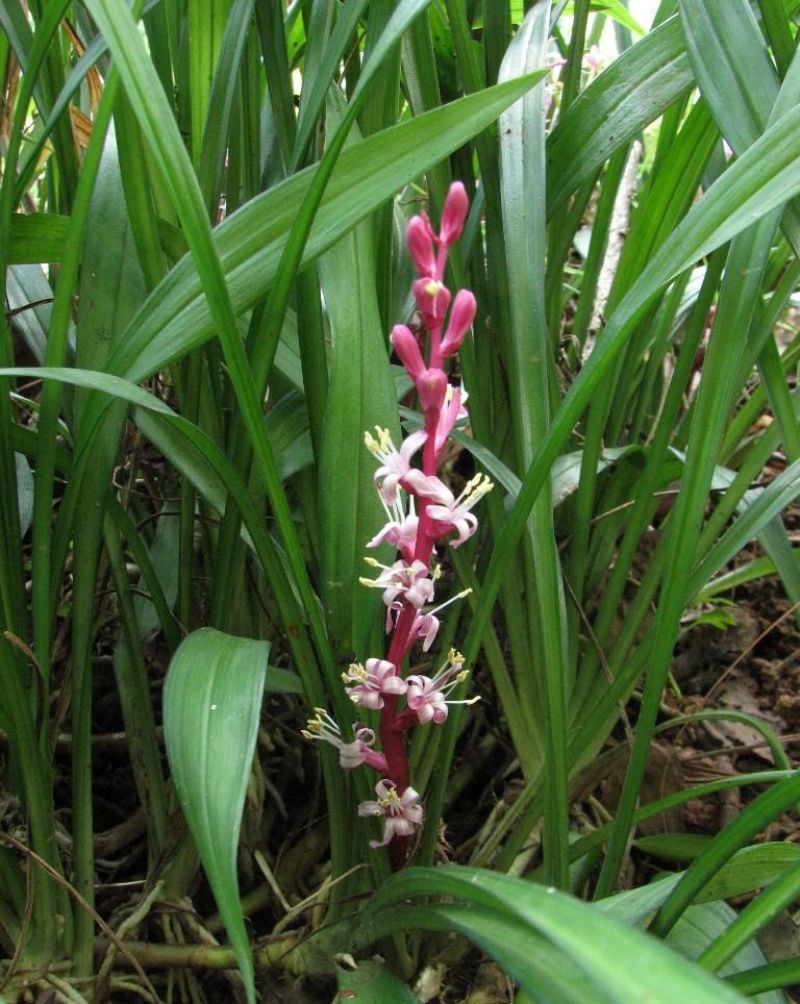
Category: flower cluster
[421,512]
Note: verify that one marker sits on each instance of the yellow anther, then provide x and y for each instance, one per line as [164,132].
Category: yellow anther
[390,799]
[357,669]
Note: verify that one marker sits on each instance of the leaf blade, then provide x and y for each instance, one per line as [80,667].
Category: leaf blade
[212,701]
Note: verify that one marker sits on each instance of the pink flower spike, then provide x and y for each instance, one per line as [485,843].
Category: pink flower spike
[419,237]
[401,813]
[454,214]
[427,697]
[432,298]
[456,515]
[462,314]
[395,465]
[406,347]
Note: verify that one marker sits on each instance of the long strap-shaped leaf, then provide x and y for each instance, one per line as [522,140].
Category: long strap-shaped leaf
[592,941]
[523,193]
[638,86]
[762,179]
[159,127]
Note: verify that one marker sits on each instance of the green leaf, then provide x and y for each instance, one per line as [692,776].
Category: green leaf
[176,317]
[508,917]
[754,818]
[638,87]
[523,199]
[212,705]
[29,297]
[372,983]
[36,237]
[361,395]
[24,493]
[617,10]
[706,922]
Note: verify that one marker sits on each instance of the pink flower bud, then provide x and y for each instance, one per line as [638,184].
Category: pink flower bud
[432,388]
[419,238]
[432,299]
[405,344]
[461,317]
[454,214]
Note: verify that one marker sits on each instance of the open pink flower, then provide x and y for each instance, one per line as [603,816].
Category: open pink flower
[453,513]
[322,728]
[426,624]
[367,684]
[401,813]
[395,464]
[427,696]
[453,410]
[400,533]
[408,581]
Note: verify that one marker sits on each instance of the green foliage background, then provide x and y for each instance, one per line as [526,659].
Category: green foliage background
[201,217]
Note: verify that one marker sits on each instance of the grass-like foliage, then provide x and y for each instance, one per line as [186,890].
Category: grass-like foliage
[229,232]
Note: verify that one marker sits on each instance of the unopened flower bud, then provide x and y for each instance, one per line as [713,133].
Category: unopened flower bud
[433,298]
[432,389]
[462,315]
[405,344]
[456,206]
[419,237]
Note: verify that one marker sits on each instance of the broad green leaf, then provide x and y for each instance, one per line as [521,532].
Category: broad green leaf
[672,846]
[523,199]
[739,935]
[361,395]
[212,706]
[36,237]
[30,297]
[749,869]
[282,681]
[287,424]
[701,925]
[593,942]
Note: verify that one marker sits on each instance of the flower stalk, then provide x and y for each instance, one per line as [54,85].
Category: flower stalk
[422,513]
